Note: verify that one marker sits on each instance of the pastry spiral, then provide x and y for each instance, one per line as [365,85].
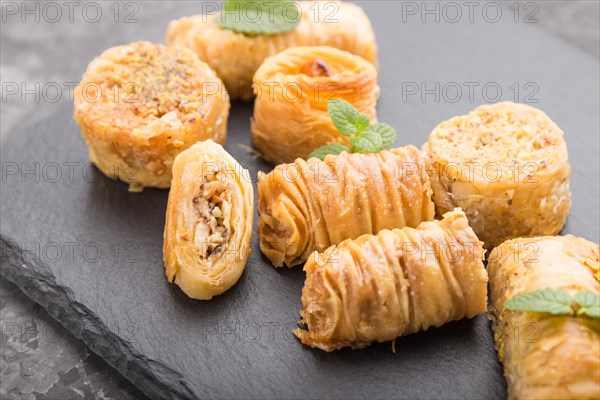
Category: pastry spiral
[546,356]
[378,287]
[309,205]
[236,57]
[292,90]
[141,104]
[506,166]
[209,221]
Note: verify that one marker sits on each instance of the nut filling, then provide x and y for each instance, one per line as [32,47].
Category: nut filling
[214,208]
[316,67]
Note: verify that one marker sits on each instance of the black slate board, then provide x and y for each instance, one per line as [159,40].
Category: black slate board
[90,252]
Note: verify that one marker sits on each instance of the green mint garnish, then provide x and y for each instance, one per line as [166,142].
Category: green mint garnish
[386,132]
[255,17]
[322,151]
[589,303]
[364,138]
[366,142]
[553,301]
[557,302]
[347,120]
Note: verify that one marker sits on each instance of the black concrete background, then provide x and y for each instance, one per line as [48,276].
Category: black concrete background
[39,358]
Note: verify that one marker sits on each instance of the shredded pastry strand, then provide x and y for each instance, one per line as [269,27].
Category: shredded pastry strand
[209,221]
[309,205]
[236,56]
[292,88]
[378,287]
[546,356]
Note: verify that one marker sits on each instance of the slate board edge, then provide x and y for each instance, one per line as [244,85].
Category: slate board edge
[58,301]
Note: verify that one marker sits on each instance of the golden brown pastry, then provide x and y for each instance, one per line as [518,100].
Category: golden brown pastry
[309,205]
[236,56]
[293,87]
[209,221]
[506,166]
[546,356]
[378,287]
[140,104]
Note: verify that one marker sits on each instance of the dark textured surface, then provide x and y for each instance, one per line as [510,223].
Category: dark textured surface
[42,360]
[214,345]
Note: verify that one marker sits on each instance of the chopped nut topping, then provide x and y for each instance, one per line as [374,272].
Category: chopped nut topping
[316,67]
[156,81]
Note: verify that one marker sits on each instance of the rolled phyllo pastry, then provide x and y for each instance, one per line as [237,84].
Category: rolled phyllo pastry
[378,287]
[291,118]
[309,205]
[236,56]
[141,104]
[209,221]
[546,356]
[506,166]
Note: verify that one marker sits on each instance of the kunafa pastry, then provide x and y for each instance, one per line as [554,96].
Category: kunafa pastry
[293,88]
[236,56]
[506,166]
[309,205]
[138,105]
[546,355]
[378,287]
[209,221]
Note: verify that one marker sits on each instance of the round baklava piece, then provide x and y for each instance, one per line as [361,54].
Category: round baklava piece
[139,105]
[506,166]
[293,88]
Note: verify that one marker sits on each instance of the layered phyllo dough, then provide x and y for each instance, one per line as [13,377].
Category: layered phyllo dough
[506,166]
[209,221]
[291,117]
[237,56]
[140,104]
[546,356]
[309,205]
[378,287]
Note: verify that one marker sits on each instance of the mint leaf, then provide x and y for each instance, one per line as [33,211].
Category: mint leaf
[362,122]
[364,138]
[366,142]
[385,132]
[588,302]
[347,120]
[321,152]
[254,17]
[553,301]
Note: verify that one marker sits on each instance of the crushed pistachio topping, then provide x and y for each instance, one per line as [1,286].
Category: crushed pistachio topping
[157,80]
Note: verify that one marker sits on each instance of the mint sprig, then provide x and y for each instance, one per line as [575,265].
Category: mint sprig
[557,302]
[256,17]
[386,132]
[346,119]
[553,301]
[322,151]
[364,138]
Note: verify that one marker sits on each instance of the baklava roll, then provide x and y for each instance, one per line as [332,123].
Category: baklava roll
[291,117]
[506,166]
[140,104]
[546,356]
[236,56]
[309,205]
[378,287]
[209,221]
